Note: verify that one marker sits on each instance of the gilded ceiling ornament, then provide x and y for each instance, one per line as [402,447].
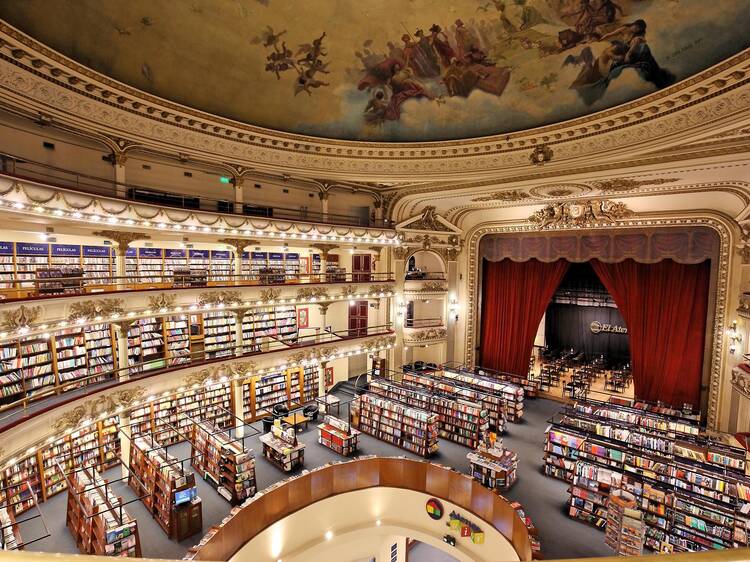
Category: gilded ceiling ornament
[305,293]
[239,244]
[541,155]
[627,184]
[592,211]
[219,297]
[122,238]
[268,295]
[20,317]
[162,300]
[428,221]
[511,195]
[560,192]
[94,308]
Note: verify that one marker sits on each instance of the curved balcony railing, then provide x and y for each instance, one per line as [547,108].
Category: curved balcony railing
[319,484]
[22,168]
[424,323]
[35,402]
[43,285]
[425,276]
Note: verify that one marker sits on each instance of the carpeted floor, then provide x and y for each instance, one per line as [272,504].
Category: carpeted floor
[544,498]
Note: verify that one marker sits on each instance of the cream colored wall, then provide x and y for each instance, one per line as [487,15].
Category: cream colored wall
[352,517]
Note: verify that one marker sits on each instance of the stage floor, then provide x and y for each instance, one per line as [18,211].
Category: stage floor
[597,391]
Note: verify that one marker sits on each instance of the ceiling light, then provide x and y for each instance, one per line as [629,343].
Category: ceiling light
[329,535]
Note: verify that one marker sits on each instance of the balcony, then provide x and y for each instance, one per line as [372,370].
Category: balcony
[23,169]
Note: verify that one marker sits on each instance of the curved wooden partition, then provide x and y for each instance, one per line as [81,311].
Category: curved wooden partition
[420,476]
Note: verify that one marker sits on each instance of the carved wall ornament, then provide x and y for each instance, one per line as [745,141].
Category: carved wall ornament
[312,293]
[400,252]
[541,155]
[433,287]
[315,354]
[94,308]
[382,341]
[162,300]
[376,289]
[450,253]
[741,381]
[325,249]
[430,334]
[323,307]
[510,195]
[348,291]
[744,244]
[239,244]
[219,297]
[242,368]
[202,376]
[560,192]
[20,317]
[627,184]
[103,404]
[592,211]
[428,221]
[122,238]
[267,295]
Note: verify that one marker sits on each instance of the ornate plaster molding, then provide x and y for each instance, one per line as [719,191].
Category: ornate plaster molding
[34,76]
[122,238]
[21,317]
[425,336]
[162,300]
[724,228]
[220,297]
[741,382]
[92,409]
[510,195]
[95,308]
[581,214]
[320,293]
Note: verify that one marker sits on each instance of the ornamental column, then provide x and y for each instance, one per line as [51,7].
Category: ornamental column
[239,336]
[122,240]
[239,194]
[323,195]
[399,272]
[378,204]
[238,246]
[452,302]
[119,163]
[323,307]
[322,378]
[120,330]
[325,249]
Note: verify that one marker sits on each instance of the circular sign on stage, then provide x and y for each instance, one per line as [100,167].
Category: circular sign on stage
[434,509]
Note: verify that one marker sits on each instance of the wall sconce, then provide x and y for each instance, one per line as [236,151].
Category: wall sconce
[734,337]
[453,309]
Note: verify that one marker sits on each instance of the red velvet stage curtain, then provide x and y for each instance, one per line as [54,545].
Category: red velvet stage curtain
[514,298]
[664,306]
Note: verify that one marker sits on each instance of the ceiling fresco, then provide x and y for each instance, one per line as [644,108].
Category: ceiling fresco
[392,70]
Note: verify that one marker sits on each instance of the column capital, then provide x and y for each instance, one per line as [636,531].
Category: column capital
[239,244]
[122,238]
[325,249]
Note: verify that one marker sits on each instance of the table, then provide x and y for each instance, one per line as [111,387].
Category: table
[329,401]
[281,453]
[296,419]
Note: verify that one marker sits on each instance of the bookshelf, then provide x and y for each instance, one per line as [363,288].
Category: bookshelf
[30,257]
[98,264]
[167,491]
[625,528]
[96,518]
[493,402]
[70,355]
[285,318]
[23,482]
[174,259]
[218,334]
[7,265]
[177,338]
[291,267]
[150,265]
[281,448]
[37,368]
[589,492]
[223,462]
[513,395]
[338,436]
[57,453]
[101,346]
[11,380]
[413,429]
[258,264]
[310,383]
[493,466]
[146,344]
[222,265]
[267,391]
[274,272]
[131,265]
[295,378]
[10,538]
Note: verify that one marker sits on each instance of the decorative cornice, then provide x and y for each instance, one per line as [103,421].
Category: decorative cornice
[95,308]
[510,195]
[20,317]
[92,409]
[162,300]
[270,295]
[239,244]
[320,293]
[425,336]
[219,297]
[627,184]
[325,249]
[581,214]
[69,92]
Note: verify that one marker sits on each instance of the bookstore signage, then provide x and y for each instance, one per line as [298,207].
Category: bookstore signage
[599,328]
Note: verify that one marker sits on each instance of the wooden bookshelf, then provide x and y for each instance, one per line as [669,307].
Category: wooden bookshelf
[96,518]
[338,436]
[159,480]
[513,394]
[10,536]
[493,466]
[625,528]
[223,462]
[281,448]
[410,428]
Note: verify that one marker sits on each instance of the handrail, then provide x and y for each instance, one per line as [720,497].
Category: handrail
[93,383]
[299,492]
[40,287]
[425,275]
[70,179]
[423,322]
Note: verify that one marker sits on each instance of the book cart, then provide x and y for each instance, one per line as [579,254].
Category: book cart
[338,435]
[492,465]
[280,447]
[96,517]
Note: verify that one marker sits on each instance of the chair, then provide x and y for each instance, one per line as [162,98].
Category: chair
[267,424]
[280,411]
[310,412]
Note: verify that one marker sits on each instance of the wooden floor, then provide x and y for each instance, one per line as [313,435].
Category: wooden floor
[597,391]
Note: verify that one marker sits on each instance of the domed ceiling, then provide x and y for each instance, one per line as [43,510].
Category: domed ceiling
[392,70]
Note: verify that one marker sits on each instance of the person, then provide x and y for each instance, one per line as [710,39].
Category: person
[376,107]
[440,43]
[466,40]
[429,54]
[404,87]
[639,54]
[414,58]
[458,80]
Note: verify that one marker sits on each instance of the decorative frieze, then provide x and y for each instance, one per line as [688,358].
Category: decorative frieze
[428,335]
[162,300]
[20,317]
[214,298]
[122,238]
[583,213]
[103,404]
[95,308]
[306,293]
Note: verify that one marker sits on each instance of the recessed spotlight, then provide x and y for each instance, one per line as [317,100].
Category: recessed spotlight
[329,535]
[377,522]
